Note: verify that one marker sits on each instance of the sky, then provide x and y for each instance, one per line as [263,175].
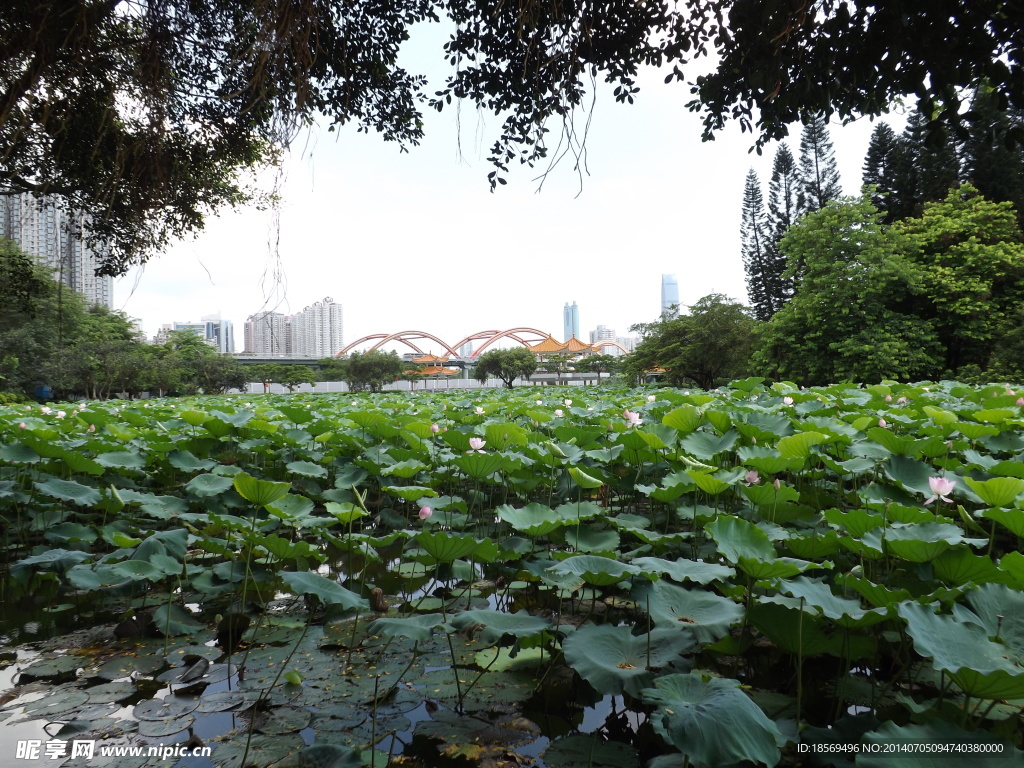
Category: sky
[417,241]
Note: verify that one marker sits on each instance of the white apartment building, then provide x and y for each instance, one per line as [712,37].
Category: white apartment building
[317,331]
[43,228]
[268,334]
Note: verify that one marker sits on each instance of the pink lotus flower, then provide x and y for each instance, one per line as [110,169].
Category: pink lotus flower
[92,428]
[476,443]
[941,488]
[45,410]
[435,428]
[651,398]
[752,478]
[23,425]
[787,400]
[567,403]
[882,424]
[901,401]
[888,398]
[777,484]
[633,418]
[61,414]
[425,512]
[540,402]
[558,413]
[1020,401]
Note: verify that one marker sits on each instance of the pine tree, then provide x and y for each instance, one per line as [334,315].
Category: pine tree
[995,168]
[879,168]
[928,167]
[754,242]
[783,211]
[818,173]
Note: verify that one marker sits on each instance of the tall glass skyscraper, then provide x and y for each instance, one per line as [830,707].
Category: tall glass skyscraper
[669,295]
[570,321]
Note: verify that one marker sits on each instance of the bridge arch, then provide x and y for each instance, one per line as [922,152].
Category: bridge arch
[405,337]
[516,334]
[610,343]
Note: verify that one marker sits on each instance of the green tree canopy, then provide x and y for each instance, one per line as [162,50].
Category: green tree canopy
[925,297]
[709,345]
[505,364]
[371,370]
[971,256]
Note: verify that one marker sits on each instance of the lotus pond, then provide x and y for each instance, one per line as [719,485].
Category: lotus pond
[554,576]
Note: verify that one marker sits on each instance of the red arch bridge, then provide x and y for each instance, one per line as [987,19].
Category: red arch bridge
[412,339]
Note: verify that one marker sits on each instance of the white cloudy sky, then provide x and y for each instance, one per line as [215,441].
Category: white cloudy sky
[416,241]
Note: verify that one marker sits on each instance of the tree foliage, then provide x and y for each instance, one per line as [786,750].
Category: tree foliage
[971,256]
[817,175]
[709,345]
[371,370]
[766,290]
[505,364]
[922,298]
[147,115]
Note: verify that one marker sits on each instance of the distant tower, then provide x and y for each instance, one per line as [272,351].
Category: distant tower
[570,321]
[669,295]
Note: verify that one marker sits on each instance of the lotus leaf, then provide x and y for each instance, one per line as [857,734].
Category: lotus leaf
[418,628]
[614,660]
[890,739]
[260,751]
[710,720]
[596,570]
[69,490]
[685,570]
[706,615]
[259,492]
[534,519]
[495,624]
[588,751]
[328,591]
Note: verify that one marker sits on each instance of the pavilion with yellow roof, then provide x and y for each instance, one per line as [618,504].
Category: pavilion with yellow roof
[432,366]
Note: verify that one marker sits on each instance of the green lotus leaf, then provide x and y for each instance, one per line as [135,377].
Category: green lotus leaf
[64,533]
[418,628]
[574,513]
[712,484]
[706,446]
[963,649]
[1000,610]
[174,620]
[193,417]
[706,615]
[259,751]
[767,495]
[409,492]
[187,462]
[843,611]
[328,591]
[961,566]
[344,512]
[737,538]
[444,547]
[259,492]
[583,480]
[586,750]
[799,446]
[69,490]
[895,444]
[913,475]
[614,660]
[121,460]
[204,486]
[595,570]
[813,546]
[306,469]
[534,519]
[480,466]
[922,542]
[856,522]
[973,431]
[711,721]
[56,560]
[98,577]
[682,570]
[997,492]
[685,419]
[495,624]
[19,453]
[589,539]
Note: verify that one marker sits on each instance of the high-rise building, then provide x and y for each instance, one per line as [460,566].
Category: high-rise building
[221,332]
[669,295]
[317,330]
[44,228]
[570,321]
[266,334]
[602,333]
